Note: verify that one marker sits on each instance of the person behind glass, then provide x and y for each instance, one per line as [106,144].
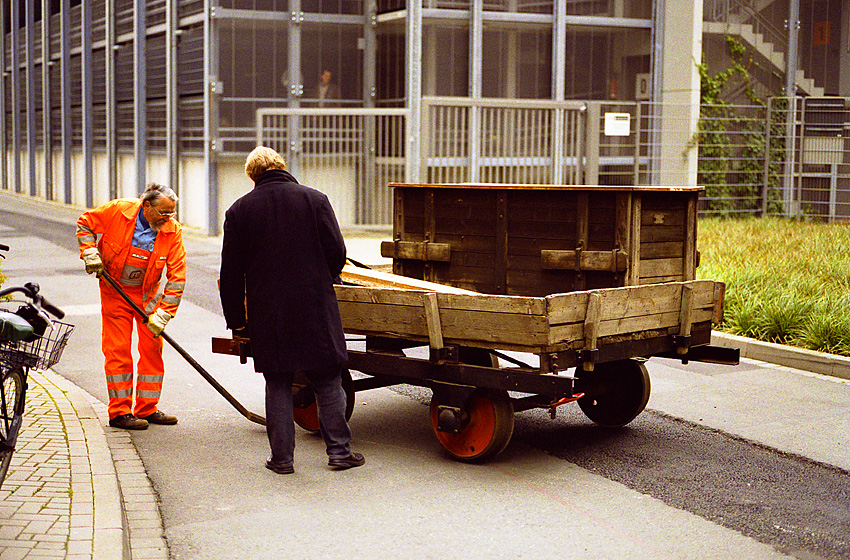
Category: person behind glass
[326,91]
[282,249]
[135,240]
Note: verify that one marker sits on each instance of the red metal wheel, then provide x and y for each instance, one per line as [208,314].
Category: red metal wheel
[304,409]
[488,431]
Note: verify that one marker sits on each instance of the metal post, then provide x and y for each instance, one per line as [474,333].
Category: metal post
[4,164]
[559,71]
[765,189]
[654,114]
[296,88]
[46,133]
[88,109]
[172,123]
[559,50]
[67,137]
[413,90]
[140,94]
[793,25]
[30,102]
[370,63]
[211,110]
[16,96]
[476,40]
[365,208]
[636,146]
[109,70]
[593,114]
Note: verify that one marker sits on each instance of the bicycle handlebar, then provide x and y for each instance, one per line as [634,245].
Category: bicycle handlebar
[30,290]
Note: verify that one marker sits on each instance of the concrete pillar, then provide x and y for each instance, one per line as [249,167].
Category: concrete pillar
[681,50]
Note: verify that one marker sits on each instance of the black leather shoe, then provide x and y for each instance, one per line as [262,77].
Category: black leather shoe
[128,422]
[353,460]
[279,469]
[159,417]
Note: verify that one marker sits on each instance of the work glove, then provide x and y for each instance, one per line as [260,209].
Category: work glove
[92,260]
[157,321]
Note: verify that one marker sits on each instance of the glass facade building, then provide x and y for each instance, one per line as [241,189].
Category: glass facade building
[101,96]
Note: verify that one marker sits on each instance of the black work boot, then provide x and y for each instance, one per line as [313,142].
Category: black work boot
[159,417]
[128,422]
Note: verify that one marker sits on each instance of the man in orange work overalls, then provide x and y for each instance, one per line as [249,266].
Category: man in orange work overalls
[138,239]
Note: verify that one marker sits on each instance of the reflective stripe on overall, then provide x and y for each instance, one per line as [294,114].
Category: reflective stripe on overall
[118,319]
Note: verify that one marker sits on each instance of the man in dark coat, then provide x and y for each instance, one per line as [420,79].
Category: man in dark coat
[282,250]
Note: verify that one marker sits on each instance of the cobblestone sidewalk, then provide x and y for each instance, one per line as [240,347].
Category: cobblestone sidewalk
[61,498]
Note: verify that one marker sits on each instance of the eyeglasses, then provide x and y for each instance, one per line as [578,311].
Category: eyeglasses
[166,215]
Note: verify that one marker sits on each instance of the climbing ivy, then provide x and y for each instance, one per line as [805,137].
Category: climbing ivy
[733,173]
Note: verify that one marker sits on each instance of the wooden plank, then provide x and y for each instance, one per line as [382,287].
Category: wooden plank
[566,333]
[404,321]
[582,224]
[686,310]
[430,227]
[663,216]
[500,257]
[660,280]
[662,267]
[719,296]
[660,233]
[665,250]
[416,250]
[634,252]
[518,305]
[613,261]
[432,320]
[690,244]
[399,221]
[524,322]
[622,233]
[629,302]
[469,301]
[399,321]
[374,278]
[591,325]
[525,187]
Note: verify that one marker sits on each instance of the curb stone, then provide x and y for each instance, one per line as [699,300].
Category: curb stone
[789,356]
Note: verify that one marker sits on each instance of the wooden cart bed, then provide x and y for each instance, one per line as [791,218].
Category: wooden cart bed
[438,315]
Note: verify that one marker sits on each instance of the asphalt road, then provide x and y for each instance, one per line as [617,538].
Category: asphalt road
[749,461]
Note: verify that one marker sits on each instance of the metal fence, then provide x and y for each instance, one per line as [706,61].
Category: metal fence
[502,141]
[351,154]
[789,157]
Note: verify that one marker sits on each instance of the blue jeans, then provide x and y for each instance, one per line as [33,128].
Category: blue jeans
[330,400]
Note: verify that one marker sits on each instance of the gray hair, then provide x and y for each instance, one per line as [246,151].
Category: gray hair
[155,191]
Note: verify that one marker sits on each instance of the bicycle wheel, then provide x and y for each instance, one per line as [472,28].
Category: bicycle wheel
[12,395]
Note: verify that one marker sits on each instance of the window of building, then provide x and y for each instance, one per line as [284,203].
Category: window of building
[517,63]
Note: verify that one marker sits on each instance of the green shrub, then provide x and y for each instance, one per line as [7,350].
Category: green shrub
[786,281]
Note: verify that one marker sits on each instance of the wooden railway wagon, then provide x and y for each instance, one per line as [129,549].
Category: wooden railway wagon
[540,240]
[526,297]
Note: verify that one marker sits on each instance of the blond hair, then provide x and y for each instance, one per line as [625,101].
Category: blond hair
[262,159]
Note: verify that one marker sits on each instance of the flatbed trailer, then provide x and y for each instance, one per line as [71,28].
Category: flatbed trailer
[591,315]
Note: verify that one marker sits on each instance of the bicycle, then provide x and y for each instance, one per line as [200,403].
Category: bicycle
[29,340]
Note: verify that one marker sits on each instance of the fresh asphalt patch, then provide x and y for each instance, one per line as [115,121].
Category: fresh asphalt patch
[792,503]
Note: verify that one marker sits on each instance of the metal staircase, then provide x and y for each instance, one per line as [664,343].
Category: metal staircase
[741,19]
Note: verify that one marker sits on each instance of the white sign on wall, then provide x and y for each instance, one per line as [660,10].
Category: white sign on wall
[617,124]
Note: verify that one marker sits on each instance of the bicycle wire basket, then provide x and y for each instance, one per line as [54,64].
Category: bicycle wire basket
[39,354]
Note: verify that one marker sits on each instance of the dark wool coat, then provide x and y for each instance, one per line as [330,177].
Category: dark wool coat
[283,247]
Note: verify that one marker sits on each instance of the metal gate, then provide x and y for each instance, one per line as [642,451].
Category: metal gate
[349,154]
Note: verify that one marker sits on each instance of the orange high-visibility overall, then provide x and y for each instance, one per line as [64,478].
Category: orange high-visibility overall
[139,272]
